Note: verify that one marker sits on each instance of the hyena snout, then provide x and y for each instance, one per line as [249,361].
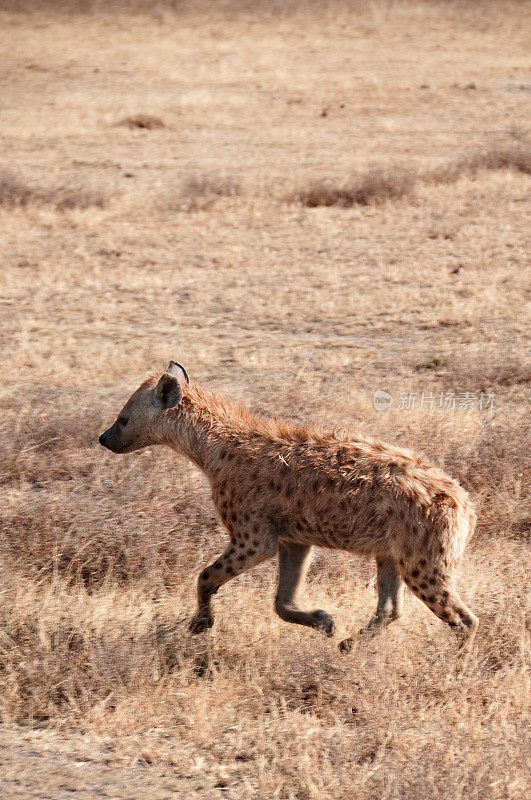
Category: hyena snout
[111,441]
[122,437]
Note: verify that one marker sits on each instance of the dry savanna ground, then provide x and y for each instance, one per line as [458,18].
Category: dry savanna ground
[303,203]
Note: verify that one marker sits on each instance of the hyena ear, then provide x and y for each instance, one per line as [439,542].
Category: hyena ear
[179,371]
[169,391]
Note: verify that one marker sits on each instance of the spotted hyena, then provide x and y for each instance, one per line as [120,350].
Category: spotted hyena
[280,488]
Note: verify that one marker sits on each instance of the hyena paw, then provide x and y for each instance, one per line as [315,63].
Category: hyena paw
[201,622]
[324,622]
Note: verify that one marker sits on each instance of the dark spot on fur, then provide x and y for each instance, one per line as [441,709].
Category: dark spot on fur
[415,573]
[223,454]
[445,595]
[423,597]
[205,574]
[252,552]
[432,581]
[241,557]
[431,598]
[246,517]
[230,456]
[217,565]
[422,562]
[233,516]
[423,585]
[229,570]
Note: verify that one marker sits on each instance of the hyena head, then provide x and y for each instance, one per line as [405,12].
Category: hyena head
[139,422]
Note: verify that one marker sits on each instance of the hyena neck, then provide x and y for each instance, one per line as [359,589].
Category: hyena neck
[207,429]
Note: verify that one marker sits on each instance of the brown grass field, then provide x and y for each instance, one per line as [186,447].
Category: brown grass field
[302,203]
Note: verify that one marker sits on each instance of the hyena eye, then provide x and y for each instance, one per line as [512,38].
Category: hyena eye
[123,421]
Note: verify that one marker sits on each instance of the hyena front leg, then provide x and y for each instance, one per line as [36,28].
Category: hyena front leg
[240,556]
[390,600]
[294,560]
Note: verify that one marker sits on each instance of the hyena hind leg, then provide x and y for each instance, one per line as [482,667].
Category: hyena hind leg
[390,596]
[438,593]
[390,600]
[293,562]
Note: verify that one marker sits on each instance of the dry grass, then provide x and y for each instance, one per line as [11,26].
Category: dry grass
[371,189]
[516,157]
[14,192]
[201,185]
[409,278]
[198,191]
[142,121]
[380,185]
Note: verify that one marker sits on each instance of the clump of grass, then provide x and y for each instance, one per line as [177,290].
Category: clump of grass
[199,191]
[65,198]
[15,192]
[198,185]
[369,189]
[377,185]
[475,374]
[143,121]
[516,157]
[435,362]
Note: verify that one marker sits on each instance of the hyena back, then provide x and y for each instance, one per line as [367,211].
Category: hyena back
[282,488]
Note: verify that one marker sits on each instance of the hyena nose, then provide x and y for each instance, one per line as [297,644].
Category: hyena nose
[103,439]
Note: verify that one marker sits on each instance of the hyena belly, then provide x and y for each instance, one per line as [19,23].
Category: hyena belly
[342,522]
